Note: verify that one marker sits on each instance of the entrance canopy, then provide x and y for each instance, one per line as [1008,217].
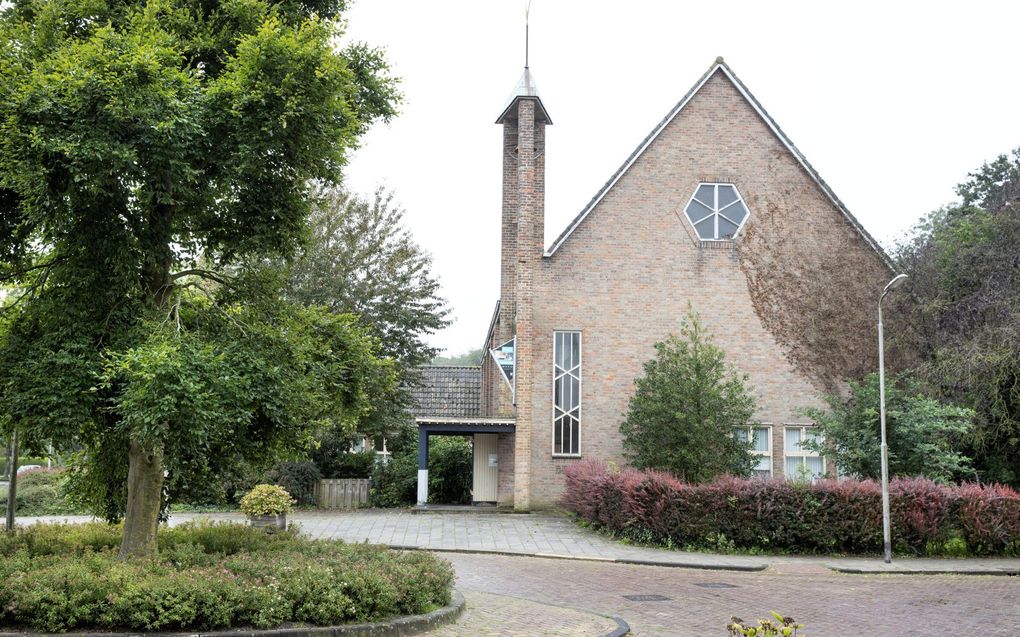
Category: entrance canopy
[429,426]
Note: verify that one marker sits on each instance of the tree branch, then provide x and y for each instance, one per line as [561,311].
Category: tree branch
[16,273]
[33,289]
[204,274]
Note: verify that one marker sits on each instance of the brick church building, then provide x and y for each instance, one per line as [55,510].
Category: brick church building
[715,210]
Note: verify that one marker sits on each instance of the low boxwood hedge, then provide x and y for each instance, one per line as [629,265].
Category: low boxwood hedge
[209,576]
[829,516]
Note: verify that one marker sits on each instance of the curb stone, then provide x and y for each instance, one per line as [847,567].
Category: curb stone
[622,628]
[744,568]
[873,570]
[587,558]
[399,627]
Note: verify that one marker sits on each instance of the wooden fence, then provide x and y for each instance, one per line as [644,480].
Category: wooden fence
[342,493]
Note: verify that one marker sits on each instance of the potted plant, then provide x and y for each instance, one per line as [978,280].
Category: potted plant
[266,506]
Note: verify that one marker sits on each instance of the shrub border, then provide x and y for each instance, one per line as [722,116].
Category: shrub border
[397,627]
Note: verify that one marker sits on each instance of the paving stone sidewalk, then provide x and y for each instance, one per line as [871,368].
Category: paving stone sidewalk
[502,616]
[550,535]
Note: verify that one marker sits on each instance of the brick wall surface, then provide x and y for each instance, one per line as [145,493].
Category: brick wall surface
[505,477]
[626,275]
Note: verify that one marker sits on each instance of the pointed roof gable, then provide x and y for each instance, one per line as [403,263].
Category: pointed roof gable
[719,66]
[526,88]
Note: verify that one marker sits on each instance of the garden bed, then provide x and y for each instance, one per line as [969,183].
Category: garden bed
[56,578]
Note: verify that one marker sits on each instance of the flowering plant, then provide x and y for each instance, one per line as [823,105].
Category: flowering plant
[782,627]
[266,499]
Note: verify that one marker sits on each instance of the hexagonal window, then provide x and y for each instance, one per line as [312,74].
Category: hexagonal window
[716,211]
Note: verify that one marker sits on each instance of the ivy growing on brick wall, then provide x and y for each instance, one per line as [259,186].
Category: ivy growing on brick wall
[815,283]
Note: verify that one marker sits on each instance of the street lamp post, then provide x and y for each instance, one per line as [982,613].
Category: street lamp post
[886,531]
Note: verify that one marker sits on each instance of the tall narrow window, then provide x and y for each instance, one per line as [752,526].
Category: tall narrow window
[566,393]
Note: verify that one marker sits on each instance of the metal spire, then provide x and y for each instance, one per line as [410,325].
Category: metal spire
[527,11]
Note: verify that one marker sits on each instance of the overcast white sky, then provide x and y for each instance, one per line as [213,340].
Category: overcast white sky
[892,102]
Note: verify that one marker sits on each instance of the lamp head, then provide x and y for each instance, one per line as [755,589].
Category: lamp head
[895,283]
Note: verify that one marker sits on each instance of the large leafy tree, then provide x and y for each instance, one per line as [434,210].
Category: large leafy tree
[149,151]
[684,409]
[925,436]
[361,259]
[964,267]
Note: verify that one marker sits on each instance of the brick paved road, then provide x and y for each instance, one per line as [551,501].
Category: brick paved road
[829,604]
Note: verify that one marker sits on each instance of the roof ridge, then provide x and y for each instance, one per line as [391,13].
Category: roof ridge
[717,66]
[631,158]
[431,366]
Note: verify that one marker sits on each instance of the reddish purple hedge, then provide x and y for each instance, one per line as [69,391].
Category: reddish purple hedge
[827,516]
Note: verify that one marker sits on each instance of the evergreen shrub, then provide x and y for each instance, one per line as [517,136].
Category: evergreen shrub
[829,516]
[56,578]
[298,478]
[266,499]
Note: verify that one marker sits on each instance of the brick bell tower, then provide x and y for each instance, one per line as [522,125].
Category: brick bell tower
[523,234]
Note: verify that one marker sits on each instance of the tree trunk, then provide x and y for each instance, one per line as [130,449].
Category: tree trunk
[145,496]
[12,486]
[145,466]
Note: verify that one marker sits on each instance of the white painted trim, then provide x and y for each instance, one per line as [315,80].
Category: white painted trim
[762,454]
[633,158]
[423,487]
[427,420]
[716,211]
[803,454]
[580,394]
[719,66]
[511,382]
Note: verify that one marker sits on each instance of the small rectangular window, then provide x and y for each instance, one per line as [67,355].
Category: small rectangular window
[799,462]
[760,438]
[566,393]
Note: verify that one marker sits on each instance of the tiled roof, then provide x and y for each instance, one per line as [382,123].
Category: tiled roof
[448,392]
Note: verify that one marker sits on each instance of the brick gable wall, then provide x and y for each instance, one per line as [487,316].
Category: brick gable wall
[626,275]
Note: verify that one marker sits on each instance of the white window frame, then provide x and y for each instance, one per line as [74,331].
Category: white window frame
[716,211]
[580,393]
[764,454]
[803,454]
[511,382]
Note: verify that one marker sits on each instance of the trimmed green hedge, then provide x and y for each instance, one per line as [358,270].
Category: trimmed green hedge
[829,516]
[56,578]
